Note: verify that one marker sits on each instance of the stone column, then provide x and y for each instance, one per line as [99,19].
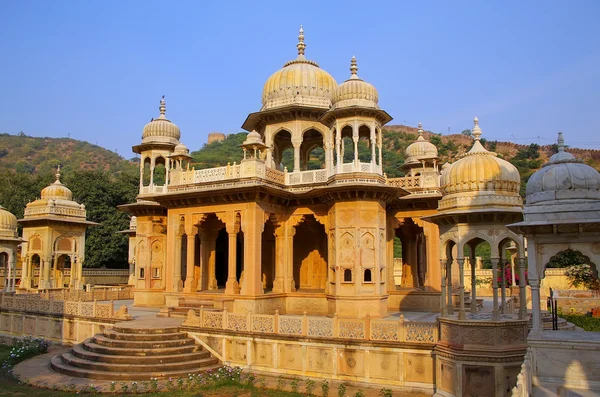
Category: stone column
[372,140]
[8,275]
[204,256]
[461,288]
[212,258]
[443,268]
[450,307]
[536,311]
[379,146]
[338,152]
[522,292]
[290,284]
[178,263]
[152,172]
[252,227]
[473,261]
[190,280]
[355,140]
[495,311]
[280,262]
[296,155]
[503,286]
[232,286]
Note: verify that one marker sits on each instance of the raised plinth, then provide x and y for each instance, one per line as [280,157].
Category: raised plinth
[133,351]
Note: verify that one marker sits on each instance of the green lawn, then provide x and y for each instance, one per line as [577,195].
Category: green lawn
[585,322]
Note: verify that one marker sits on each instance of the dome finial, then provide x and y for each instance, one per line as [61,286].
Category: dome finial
[420,131]
[301,46]
[353,66]
[476,130]
[57,173]
[561,142]
[162,107]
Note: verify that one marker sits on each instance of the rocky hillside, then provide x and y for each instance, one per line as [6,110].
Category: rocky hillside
[30,155]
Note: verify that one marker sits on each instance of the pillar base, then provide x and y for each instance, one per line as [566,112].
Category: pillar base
[212,284]
[190,285]
[278,285]
[232,287]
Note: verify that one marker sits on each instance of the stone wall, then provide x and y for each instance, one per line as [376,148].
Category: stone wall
[62,321]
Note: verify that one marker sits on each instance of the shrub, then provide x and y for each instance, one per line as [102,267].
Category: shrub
[23,349]
[582,275]
[325,388]
[342,390]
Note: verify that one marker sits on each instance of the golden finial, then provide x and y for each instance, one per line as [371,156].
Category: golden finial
[57,173]
[162,107]
[301,46]
[476,130]
[353,67]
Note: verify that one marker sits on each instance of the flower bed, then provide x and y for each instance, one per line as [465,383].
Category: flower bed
[22,349]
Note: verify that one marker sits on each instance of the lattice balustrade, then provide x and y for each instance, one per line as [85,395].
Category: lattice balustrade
[103,310]
[290,325]
[420,332]
[263,323]
[351,329]
[384,330]
[212,320]
[237,322]
[320,327]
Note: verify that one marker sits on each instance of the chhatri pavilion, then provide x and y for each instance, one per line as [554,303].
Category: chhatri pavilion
[258,236]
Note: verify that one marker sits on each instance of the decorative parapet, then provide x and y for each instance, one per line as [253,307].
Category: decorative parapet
[35,304]
[414,185]
[256,169]
[61,211]
[365,329]
[96,294]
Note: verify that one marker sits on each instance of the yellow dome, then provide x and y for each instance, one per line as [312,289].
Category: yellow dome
[355,91]
[300,82]
[421,149]
[8,224]
[161,130]
[480,178]
[57,191]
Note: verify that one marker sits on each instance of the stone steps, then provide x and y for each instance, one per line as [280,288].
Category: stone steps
[79,351]
[130,352]
[134,344]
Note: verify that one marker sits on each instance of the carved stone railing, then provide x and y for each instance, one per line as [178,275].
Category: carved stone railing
[34,303]
[305,177]
[365,329]
[153,189]
[47,210]
[524,386]
[96,294]
[405,182]
[105,272]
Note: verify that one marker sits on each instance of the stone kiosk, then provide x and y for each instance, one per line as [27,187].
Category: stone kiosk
[562,213]
[478,353]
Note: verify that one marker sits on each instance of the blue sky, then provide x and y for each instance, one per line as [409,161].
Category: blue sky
[95,70]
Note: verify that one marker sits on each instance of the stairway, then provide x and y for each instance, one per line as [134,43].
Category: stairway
[132,353]
[563,325]
[187,304]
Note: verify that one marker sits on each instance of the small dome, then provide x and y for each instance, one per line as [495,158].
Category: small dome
[355,91]
[421,149]
[161,130]
[563,178]
[480,178]
[300,82]
[57,191]
[181,149]
[253,139]
[8,224]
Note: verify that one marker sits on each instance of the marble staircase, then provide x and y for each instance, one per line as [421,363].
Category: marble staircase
[129,352]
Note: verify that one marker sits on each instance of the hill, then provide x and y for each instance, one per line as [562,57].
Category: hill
[30,155]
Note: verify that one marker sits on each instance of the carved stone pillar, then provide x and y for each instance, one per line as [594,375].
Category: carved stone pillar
[472,261]
[495,311]
[522,292]
[252,227]
[280,262]
[204,258]
[536,311]
[443,269]
[290,284]
[296,155]
[461,288]
[503,286]
[232,286]
[190,280]
[212,261]
[449,306]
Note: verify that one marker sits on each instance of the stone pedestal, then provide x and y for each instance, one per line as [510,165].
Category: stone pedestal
[479,357]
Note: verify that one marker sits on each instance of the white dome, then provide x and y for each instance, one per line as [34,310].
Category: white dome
[563,178]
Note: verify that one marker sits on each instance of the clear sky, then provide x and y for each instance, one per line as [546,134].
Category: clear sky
[95,70]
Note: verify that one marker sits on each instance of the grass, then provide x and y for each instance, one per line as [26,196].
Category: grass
[585,322]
